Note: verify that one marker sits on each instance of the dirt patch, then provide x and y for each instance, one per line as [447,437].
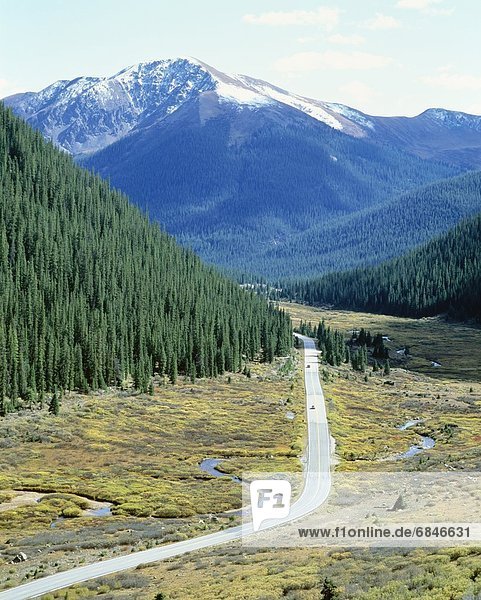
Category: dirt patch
[20,498]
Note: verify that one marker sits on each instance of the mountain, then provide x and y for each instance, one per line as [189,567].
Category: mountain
[443,275]
[378,233]
[87,114]
[249,176]
[93,294]
[247,205]
[438,134]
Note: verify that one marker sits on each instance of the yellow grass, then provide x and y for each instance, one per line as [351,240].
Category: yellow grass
[245,422]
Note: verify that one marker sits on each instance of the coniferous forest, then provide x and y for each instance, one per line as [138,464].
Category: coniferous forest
[92,293]
[284,200]
[441,276]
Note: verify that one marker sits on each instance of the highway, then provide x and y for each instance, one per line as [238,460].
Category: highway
[317,481]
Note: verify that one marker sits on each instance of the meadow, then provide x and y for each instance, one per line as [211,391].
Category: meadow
[245,422]
[140,454]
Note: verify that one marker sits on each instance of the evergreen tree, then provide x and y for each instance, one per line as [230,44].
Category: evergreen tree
[173,370]
[328,590]
[93,293]
[442,276]
[54,404]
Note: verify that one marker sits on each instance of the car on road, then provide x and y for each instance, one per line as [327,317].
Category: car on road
[308,366]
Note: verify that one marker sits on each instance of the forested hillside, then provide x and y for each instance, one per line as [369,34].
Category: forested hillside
[249,189]
[92,293]
[371,236]
[442,275]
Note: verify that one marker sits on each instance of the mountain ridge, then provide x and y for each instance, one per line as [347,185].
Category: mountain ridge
[252,177]
[86,114]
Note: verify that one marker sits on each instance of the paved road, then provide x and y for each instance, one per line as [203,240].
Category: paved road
[316,489]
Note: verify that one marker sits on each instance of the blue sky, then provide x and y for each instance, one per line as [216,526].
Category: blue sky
[381,56]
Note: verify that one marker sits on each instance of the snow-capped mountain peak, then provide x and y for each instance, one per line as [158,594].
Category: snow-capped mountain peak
[86,114]
[452,119]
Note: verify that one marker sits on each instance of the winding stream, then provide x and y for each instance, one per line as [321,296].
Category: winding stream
[208,465]
[426,442]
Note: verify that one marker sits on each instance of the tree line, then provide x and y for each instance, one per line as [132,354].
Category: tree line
[441,276]
[357,350]
[93,294]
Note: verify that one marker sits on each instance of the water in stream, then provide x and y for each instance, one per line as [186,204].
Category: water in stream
[425,444]
[208,465]
[101,511]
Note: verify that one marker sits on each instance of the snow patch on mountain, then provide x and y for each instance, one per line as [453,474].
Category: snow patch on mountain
[453,119]
[351,114]
[240,94]
[312,108]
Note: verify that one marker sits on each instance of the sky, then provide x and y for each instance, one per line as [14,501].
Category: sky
[384,57]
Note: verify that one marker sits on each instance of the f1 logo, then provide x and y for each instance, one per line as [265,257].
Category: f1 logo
[270,499]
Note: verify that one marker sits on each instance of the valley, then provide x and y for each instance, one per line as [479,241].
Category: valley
[216,273]
[142,454]
[364,418]
[249,175]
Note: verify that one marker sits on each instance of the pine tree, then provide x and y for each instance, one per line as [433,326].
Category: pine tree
[173,370]
[93,293]
[54,404]
[328,590]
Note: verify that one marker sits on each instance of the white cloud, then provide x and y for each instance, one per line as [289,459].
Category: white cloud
[454,81]
[426,6]
[324,17]
[381,21]
[331,60]
[346,40]
[358,92]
